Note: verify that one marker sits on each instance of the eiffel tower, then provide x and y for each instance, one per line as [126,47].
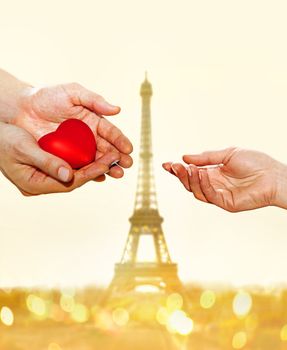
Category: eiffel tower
[145,221]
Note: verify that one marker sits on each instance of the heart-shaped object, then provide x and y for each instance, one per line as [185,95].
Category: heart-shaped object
[73,141]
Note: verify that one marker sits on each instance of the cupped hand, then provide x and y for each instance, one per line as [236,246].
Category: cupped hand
[42,110]
[234,179]
[35,171]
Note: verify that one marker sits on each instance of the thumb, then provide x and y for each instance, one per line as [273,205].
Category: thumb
[47,163]
[89,99]
[210,157]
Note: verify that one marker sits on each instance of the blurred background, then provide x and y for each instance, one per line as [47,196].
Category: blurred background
[219,76]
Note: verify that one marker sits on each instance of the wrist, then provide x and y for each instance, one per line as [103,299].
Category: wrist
[12,93]
[280,193]
[16,102]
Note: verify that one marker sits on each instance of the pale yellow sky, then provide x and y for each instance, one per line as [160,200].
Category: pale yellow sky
[219,74]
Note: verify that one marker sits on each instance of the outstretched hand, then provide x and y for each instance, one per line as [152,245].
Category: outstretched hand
[233,179]
[41,111]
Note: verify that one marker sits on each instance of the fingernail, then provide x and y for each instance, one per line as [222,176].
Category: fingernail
[174,169]
[110,106]
[64,174]
[115,107]
[189,171]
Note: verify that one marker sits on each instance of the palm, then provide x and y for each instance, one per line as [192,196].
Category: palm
[244,181]
[233,179]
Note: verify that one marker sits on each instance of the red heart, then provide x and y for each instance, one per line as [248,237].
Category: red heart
[73,141]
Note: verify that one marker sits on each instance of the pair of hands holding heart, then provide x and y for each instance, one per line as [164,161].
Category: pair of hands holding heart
[40,112]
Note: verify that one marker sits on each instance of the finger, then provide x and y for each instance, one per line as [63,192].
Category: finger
[103,146]
[116,172]
[207,189]
[30,153]
[181,172]
[101,178]
[89,99]
[126,161]
[194,185]
[114,136]
[100,167]
[210,157]
[82,176]
[167,167]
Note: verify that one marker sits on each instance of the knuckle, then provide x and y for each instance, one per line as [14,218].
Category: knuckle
[49,163]
[101,170]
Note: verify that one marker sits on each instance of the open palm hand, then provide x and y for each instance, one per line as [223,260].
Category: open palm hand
[234,179]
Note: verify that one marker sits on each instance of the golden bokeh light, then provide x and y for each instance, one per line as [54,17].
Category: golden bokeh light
[174,302]
[120,317]
[207,299]
[6,316]
[242,304]
[283,333]
[218,325]
[36,305]
[67,303]
[239,340]
[80,313]
[186,326]
[54,346]
[179,323]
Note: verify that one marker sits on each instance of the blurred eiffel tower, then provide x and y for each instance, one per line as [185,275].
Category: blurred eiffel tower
[145,221]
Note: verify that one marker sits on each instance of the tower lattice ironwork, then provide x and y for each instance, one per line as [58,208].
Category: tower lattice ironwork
[145,221]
